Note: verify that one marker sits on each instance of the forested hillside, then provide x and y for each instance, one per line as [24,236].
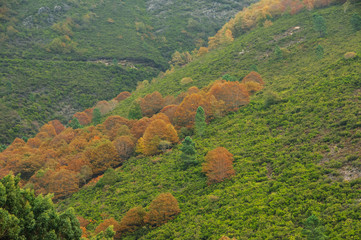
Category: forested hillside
[74,37]
[257,137]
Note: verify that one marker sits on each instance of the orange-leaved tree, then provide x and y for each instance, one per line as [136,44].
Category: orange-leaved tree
[104,225]
[123,95]
[157,131]
[162,209]
[218,165]
[233,94]
[253,82]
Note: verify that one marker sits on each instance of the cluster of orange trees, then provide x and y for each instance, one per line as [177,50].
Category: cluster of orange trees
[161,210]
[261,13]
[60,160]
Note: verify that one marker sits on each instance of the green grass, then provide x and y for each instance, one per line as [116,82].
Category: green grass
[295,158]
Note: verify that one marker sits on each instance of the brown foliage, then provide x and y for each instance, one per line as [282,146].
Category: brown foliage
[233,94]
[185,114]
[131,221]
[168,100]
[104,106]
[253,77]
[139,127]
[123,95]
[124,146]
[34,142]
[84,119]
[62,183]
[116,121]
[48,129]
[102,156]
[162,209]
[104,225]
[151,104]
[17,143]
[218,165]
[170,112]
[156,131]
[57,126]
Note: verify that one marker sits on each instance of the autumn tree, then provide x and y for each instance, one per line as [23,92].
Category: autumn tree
[102,227]
[161,210]
[233,94]
[253,82]
[124,146]
[151,104]
[62,183]
[157,131]
[132,220]
[200,121]
[122,96]
[186,111]
[83,118]
[139,127]
[181,59]
[57,126]
[170,112]
[218,165]
[188,153]
[102,156]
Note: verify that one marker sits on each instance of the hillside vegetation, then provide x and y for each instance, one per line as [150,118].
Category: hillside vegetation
[54,47]
[295,146]
[289,157]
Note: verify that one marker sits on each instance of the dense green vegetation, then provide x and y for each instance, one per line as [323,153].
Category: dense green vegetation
[146,31]
[24,216]
[33,92]
[295,146]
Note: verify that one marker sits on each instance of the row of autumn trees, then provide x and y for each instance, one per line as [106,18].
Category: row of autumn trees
[59,160]
[260,13]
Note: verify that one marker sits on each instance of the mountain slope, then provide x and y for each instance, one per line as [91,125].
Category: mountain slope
[296,145]
[67,36]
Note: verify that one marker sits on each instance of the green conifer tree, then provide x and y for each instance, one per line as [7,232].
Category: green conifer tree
[278,53]
[97,116]
[320,24]
[253,68]
[188,154]
[75,124]
[313,229]
[319,52]
[200,121]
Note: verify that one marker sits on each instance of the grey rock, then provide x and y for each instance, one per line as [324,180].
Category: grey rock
[28,21]
[43,10]
[57,8]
